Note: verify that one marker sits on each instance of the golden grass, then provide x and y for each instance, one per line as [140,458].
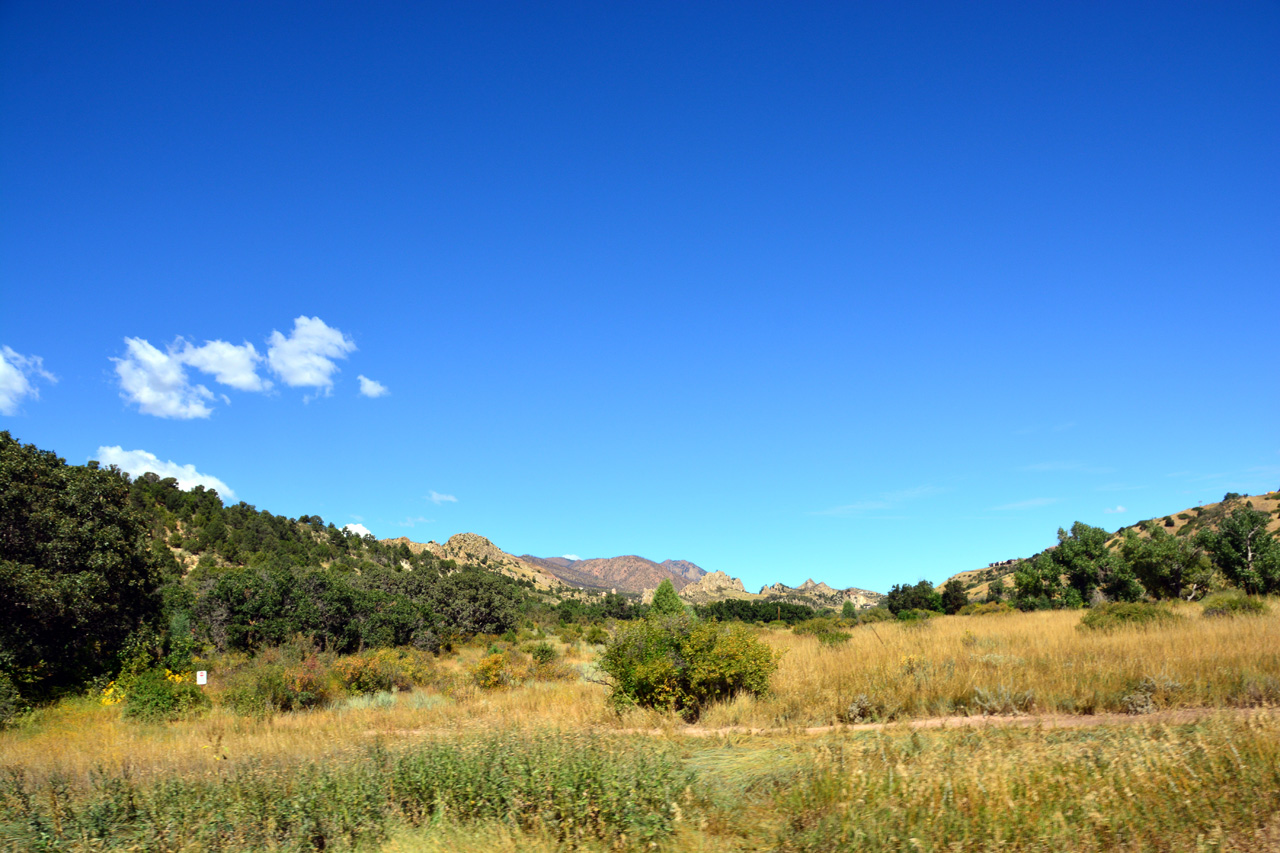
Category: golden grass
[942,667]
[1214,783]
[938,667]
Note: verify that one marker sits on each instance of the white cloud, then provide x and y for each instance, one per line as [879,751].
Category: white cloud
[139,462]
[885,501]
[573,557]
[16,374]
[236,366]
[358,529]
[1116,511]
[1029,504]
[372,388]
[437,498]
[305,358]
[158,383]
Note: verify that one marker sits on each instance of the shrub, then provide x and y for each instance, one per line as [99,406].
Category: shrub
[916,615]
[492,672]
[543,654]
[1121,614]
[988,608]
[875,614]
[677,663]
[596,635]
[1234,604]
[11,704]
[824,628]
[157,696]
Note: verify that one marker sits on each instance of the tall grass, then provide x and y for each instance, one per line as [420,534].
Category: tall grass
[1148,788]
[567,786]
[955,664]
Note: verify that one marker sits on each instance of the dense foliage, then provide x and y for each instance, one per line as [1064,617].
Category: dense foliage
[920,596]
[77,575]
[755,611]
[680,663]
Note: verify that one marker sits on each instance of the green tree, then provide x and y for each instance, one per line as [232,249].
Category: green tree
[77,576]
[1168,566]
[953,596]
[1089,565]
[921,596]
[1037,580]
[1245,551]
[995,590]
[1081,559]
[666,602]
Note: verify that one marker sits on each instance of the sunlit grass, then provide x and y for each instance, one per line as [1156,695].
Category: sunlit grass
[1212,784]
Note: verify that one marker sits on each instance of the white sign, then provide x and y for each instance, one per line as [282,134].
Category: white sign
[202,677]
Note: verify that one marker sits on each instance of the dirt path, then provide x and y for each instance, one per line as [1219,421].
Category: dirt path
[1048,721]
[1179,716]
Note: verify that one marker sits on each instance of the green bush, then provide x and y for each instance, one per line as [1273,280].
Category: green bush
[987,608]
[875,614]
[543,654]
[824,628]
[677,663]
[1234,603]
[11,704]
[1122,614]
[157,696]
[917,615]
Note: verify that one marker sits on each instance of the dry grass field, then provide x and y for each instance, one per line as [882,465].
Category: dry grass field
[547,765]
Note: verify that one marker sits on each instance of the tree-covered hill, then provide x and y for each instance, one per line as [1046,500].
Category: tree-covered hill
[95,567]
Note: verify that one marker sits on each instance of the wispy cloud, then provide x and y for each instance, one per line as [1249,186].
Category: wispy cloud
[437,498]
[1028,504]
[139,462]
[573,557]
[1060,465]
[372,388]
[886,501]
[1116,511]
[17,379]
[415,521]
[1119,487]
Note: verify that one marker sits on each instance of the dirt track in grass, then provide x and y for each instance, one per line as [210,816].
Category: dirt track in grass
[1173,717]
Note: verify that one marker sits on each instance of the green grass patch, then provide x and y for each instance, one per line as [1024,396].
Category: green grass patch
[1127,614]
[1234,603]
[566,786]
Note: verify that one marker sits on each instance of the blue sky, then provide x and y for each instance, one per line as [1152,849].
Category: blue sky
[863,293]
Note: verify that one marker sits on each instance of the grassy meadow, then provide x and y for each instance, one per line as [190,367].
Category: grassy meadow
[829,760]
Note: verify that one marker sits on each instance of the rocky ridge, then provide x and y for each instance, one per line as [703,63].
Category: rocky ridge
[471,549]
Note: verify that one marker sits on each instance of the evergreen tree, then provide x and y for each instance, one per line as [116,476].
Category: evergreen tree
[666,602]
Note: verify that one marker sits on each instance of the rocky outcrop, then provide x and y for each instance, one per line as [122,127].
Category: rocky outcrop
[471,549]
[820,595]
[714,586]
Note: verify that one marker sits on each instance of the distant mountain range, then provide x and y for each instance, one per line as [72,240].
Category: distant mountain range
[629,573]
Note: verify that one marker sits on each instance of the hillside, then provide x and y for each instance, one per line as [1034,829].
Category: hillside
[1187,522]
